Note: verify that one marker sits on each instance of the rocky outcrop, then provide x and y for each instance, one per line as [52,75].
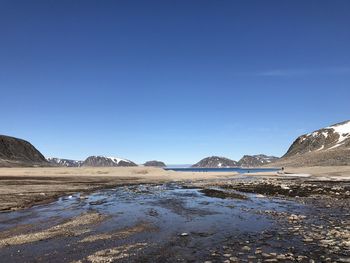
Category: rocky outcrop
[64,162]
[103,161]
[154,164]
[18,152]
[256,160]
[325,147]
[215,162]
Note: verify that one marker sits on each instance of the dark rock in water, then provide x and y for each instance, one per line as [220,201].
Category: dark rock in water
[64,162]
[215,162]
[256,160]
[154,164]
[102,161]
[222,194]
[18,152]
[324,147]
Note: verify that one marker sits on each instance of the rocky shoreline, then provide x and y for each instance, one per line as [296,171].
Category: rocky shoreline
[237,219]
[321,234]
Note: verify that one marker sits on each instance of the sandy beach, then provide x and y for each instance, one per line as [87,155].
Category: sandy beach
[328,172]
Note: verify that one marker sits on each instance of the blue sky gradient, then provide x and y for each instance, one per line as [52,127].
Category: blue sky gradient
[172,80]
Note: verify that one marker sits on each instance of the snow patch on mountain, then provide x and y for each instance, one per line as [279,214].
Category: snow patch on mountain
[117,159]
[64,162]
[343,130]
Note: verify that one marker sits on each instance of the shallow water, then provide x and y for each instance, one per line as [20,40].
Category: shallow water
[169,209]
[238,170]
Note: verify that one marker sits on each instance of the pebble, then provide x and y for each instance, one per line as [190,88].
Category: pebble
[281,257]
[246,248]
[265,255]
[344,260]
[308,240]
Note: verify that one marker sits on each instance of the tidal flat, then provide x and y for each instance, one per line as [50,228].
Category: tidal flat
[237,219]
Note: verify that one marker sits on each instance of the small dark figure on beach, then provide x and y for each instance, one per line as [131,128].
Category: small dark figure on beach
[281,171]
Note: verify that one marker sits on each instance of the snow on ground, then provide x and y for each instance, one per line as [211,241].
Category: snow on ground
[343,130]
[321,148]
[325,134]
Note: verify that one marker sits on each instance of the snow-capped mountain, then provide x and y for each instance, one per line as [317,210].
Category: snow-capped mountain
[332,137]
[103,161]
[256,160]
[215,162]
[64,162]
[325,147]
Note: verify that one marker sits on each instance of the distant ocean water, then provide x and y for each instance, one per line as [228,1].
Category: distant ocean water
[238,170]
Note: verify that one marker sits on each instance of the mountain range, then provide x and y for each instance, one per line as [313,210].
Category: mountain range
[324,147]
[92,161]
[245,161]
[64,162]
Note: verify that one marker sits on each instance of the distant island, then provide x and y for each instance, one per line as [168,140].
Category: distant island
[155,164]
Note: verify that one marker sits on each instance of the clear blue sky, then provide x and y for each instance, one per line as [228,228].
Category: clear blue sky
[172,80]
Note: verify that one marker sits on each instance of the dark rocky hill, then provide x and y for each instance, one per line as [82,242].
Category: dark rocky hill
[154,164]
[215,162]
[103,161]
[325,147]
[334,137]
[256,160]
[18,152]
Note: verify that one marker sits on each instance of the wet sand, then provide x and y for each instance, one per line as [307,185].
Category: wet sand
[330,172]
[322,171]
[24,187]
